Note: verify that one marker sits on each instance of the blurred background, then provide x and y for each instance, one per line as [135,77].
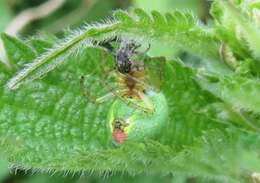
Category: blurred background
[25,18]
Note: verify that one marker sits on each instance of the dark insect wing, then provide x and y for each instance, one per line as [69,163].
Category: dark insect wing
[124,55]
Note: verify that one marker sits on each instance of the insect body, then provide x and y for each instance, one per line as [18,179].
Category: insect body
[124,63]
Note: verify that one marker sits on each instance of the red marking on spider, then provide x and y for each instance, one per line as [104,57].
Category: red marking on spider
[119,136]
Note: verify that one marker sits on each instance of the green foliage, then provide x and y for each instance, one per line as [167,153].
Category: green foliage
[232,88]
[240,31]
[36,114]
[47,124]
[17,50]
[178,28]
[222,157]
[173,29]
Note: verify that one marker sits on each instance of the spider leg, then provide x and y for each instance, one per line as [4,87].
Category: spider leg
[116,93]
[106,97]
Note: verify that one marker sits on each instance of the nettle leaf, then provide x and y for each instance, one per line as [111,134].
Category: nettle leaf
[226,31]
[48,121]
[185,100]
[48,124]
[213,156]
[5,68]
[178,29]
[17,51]
[239,27]
[228,36]
[40,45]
[58,53]
[240,92]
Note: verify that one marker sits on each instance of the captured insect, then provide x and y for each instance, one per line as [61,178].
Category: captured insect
[132,84]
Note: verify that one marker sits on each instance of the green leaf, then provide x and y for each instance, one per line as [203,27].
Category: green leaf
[236,19]
[48,124]
[181,29]
[123,17]
[4,67]
[59,52]
[240,92]
[40,45]
[17,52]
[144,17]
[212,156]
[185,33]
[185,99]
[33,128]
